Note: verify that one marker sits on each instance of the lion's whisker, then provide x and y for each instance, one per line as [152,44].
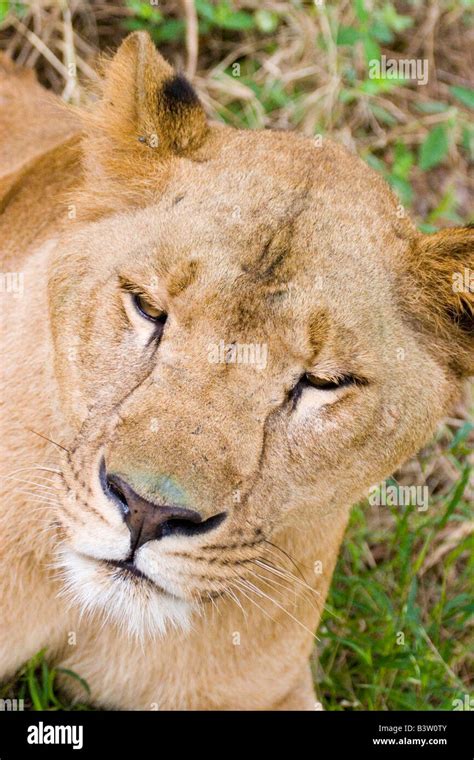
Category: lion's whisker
[47,469]
[32,467]
[251,587]
[252,601]
[44,508]
[33,482]
[235,599]
[50,440]
[293,561]
[317,593]
[284,573]
[213,602]
[276,584]
[38,497]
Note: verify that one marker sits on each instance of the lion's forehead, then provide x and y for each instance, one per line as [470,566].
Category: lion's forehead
[269,178]
[275,278]
[260,237]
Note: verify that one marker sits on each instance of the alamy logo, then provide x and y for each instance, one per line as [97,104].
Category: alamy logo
[467,703]
[251,354]
[415,69]
[399,496]
[12,705]
[463,282]
[12,282]
[41,734]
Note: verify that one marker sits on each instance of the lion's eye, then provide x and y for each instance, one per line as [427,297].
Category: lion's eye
[147,310]
[320,383]
[327,385]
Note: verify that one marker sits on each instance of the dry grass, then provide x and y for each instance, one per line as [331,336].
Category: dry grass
[293,77]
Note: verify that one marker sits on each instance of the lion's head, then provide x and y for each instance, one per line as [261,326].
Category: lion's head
[248,333]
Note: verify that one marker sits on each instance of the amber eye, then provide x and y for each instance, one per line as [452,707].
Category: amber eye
[147,310]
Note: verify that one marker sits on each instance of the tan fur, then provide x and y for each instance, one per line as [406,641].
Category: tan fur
[247,237]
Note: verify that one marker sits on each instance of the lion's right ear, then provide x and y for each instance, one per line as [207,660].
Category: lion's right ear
[146,113]
[439,293]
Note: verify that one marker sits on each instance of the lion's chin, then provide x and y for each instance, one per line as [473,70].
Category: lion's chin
[137,606]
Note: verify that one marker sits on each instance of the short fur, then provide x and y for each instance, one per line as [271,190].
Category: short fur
[241,237]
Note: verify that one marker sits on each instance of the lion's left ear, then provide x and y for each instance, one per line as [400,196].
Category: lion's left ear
[146,113]
[442,292]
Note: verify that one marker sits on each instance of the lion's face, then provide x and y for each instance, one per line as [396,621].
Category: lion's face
[234,358]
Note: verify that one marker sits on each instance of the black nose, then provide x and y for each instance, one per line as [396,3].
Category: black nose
[147,521]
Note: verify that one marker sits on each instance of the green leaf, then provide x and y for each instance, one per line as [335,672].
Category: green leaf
[377,85]
[239,21]
[145,11]
[432,106]
[445,208]
[394,20]
[381,32]
[227,18]
[403,160]
[382,114]
[464,94]
[33,688]
[375,163]
[402,187]
[205,10]
[427,228]
[74,675]
[393,661]
[366,656]
[171,30]
[7,7]
[361,11]
[461,435]
[434,148]
[461,602]
[51,695]
[347,35]
[266,21]
[456,497]
[371,49]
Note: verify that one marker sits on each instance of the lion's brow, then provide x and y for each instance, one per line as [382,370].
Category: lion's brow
[272,257]
[318,330]
[182,277]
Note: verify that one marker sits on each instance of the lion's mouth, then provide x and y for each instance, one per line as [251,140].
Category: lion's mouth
[128,569]
[131,569]
[127,595]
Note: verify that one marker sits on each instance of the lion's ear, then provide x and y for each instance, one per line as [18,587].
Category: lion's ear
[442,292]
[146,112]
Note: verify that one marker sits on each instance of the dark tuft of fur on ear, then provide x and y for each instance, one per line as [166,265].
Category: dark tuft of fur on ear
[178,93]
[463,318]
[441,293]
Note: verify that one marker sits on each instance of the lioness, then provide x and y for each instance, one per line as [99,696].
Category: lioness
[172,514]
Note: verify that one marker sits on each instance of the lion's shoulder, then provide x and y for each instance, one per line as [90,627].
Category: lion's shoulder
[32,121]
[36,160]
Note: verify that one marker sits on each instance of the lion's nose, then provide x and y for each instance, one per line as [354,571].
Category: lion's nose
[148,521]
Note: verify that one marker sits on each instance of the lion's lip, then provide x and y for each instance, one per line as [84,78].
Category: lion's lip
[131,568]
